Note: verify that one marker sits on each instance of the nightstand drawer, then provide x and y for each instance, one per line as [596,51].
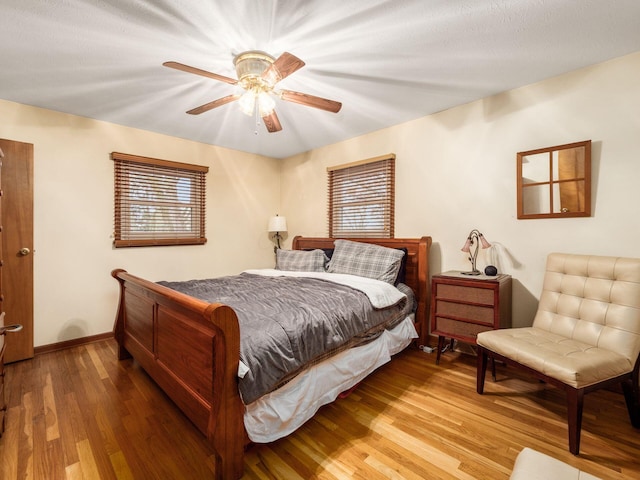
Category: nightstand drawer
[464,311]
[466,294]
[460,329]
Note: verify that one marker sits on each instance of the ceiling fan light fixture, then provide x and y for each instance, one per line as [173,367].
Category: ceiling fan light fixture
[266,104]
[247,102]
[249,99]
[250,66]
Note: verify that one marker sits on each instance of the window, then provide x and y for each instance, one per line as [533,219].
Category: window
[158,202]
[361,198]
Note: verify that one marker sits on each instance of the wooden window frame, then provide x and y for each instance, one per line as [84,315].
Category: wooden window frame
[365,184]
[158,177]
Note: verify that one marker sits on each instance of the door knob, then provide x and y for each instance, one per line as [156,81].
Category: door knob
[10,328]
[24,251]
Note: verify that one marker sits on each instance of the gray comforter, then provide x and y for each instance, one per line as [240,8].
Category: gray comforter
[286,323]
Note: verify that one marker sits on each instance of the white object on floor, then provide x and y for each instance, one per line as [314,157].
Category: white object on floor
[533,465]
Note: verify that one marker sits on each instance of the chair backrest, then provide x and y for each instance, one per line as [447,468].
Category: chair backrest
[594,300]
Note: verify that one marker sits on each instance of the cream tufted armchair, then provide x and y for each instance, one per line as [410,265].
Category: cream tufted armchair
[585,335]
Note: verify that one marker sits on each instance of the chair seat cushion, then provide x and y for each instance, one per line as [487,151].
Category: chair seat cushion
[533,465]
[572,362]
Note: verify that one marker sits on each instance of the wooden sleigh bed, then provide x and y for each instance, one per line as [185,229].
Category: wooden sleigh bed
[191,348]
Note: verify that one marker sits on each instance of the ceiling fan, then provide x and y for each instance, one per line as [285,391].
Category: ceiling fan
[258,73]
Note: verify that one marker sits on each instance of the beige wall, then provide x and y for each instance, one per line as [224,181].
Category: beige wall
[456,171]
[75,295]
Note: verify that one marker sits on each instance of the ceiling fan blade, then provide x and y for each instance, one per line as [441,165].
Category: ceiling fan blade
[272,122]
[284,66]
[211,105]
[197,71]
[311,101]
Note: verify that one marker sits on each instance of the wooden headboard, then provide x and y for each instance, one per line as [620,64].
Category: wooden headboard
[417,268]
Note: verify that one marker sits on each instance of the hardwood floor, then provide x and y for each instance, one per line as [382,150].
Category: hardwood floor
[79,413]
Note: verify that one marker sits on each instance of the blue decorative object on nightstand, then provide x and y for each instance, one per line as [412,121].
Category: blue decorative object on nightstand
[491,271]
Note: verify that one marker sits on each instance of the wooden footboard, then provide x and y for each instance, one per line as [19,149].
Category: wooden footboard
[191,349]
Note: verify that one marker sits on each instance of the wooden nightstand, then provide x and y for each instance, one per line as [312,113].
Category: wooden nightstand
[463,306]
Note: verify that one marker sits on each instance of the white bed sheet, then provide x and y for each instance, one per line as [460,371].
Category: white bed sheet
[381,294]
[281,412]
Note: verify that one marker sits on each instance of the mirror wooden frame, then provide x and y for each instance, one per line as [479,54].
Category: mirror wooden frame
[554,182]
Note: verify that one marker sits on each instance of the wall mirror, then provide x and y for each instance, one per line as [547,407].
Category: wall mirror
[555,182]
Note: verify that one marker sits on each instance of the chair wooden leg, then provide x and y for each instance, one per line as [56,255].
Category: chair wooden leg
[575,402]
[632,399]
[482,370]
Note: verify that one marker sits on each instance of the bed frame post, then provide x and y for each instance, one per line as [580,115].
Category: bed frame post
[423,292]
[118,326]
[226,431]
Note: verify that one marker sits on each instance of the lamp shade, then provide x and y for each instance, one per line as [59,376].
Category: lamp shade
[484,242]
[277,224]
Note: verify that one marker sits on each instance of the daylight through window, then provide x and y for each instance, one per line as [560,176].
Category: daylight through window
[361,198]
[158,202]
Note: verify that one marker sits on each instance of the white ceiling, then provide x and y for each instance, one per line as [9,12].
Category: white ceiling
[387,61]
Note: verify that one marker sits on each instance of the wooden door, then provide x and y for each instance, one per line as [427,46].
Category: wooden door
[1,303]
[17,246]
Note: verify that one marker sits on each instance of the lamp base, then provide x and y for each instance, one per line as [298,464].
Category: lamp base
[472,272]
